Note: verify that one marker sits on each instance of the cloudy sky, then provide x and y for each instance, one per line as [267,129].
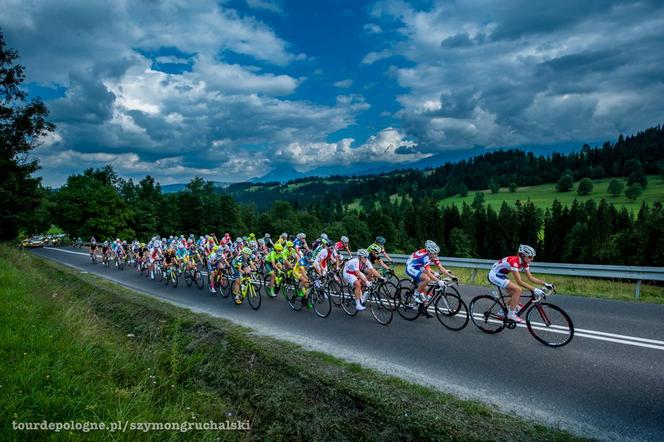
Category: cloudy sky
[229,90]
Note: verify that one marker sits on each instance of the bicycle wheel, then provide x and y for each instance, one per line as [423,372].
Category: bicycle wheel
[295,301]
[407,307]
[549,324]
[451,311]
[188,278]
[348,301]
[487,314]
[174,278]
[254,295]
[381,307]
[335,292]
[198,279]
[321,301]
[224,285]
[389,295]
[266,284]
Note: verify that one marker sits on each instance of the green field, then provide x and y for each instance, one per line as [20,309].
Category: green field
[544,195]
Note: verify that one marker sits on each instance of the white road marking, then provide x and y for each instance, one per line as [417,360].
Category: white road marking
[578,332]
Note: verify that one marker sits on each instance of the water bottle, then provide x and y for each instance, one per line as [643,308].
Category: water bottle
[495,294]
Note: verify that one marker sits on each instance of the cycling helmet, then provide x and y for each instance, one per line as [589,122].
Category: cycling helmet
[267,235]
[289,244]
[324,236]
[301,236]
[180,246]
[284,235]
[362,253]
[246,251]
[215,248]
[244,238]
[252,236]
[525,250]
[344,239]
[105,243]
[253,244]
[380,240]
[278,247]
[261,241]
[431,247]
[238,240]
[323,242]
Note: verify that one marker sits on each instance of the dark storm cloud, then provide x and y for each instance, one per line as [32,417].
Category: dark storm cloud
[514,72]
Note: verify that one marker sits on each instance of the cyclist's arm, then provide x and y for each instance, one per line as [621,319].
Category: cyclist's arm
[445,271]
[387,256]
[531,278]
[521,282]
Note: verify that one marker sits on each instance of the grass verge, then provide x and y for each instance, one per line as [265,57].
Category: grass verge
[79,348]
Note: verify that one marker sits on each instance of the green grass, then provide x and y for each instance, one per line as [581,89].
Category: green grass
[77,347]
[544,194]
[651,292]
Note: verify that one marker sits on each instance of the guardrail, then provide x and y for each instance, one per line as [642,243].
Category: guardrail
[635,273]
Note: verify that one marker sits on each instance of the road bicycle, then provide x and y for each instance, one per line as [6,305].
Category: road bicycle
[451,311]
[250,289]
[317,295]
[193,275]
[93,257]
[222,283]
[106,260]
[548,323]
[377,294]
[389,274]
[171,275]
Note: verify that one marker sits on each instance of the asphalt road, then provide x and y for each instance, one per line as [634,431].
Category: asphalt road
[608,383]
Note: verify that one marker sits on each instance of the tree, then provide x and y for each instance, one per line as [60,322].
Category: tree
[565,183]
[495,188]
[88,205]
[513,187]
[632,165]
[633,191]
[22,125]
[615,187]
[638,177]
[585,186]
[463,190]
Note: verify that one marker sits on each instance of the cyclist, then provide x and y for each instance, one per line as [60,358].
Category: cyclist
[418,268]
[342,245]
[93,246]
[325,255]
[375,250]
[242,265]
[301,244]
[515,265]
[274,261]
[354,275]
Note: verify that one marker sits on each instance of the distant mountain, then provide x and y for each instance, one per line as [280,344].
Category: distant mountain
[172,188]
[286,173]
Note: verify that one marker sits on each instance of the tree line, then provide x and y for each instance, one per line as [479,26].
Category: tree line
[100,203]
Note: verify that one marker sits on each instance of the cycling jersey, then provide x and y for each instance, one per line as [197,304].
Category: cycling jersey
[352,268]
[418,262]
[510,264]
[323,257]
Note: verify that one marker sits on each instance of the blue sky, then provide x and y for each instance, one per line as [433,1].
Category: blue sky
[230,90]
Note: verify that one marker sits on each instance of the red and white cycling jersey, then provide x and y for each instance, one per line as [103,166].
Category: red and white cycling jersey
[510,264]
[353,267]
[322,258]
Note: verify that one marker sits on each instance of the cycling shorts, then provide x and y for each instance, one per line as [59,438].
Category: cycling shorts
[499,279]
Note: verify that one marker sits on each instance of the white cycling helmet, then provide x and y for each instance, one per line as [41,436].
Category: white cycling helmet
[344,239]
[431,247]
[324,236]
[526,250]
[363,253]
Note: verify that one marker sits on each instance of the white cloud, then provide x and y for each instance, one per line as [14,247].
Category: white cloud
[373,57]
[344,84]
[387,146]
[271,6]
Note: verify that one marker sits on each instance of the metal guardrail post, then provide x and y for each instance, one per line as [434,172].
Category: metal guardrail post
[473,275]
[638,289]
